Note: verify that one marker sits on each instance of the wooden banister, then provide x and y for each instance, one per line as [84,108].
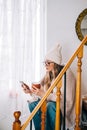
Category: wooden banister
[78,53]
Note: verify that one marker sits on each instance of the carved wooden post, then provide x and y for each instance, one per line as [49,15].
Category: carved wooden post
[17,122]
[78,90]
[43,115]
[57,120]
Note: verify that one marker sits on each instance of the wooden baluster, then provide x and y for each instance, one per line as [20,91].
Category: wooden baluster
[17,122]
[78,90]
[57,121]
[43,115]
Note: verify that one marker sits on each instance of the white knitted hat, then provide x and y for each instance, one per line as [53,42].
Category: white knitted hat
[55,55]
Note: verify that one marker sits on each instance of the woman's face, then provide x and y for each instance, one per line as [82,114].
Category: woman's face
[49,65]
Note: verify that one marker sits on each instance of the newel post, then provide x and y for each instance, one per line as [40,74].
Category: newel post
[78,90]
[17,122]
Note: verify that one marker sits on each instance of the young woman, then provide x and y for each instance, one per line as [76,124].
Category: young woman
[53,67]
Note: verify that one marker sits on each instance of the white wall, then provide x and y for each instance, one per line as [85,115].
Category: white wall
[61,18]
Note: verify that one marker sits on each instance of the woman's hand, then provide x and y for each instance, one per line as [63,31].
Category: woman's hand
[26,88]
[37,91]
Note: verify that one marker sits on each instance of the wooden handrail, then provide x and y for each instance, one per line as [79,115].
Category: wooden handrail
[55,83]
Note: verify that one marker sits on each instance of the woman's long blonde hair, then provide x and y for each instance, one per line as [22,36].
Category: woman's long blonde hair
[47,80]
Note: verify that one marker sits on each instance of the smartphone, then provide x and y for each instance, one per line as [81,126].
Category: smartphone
[26,86]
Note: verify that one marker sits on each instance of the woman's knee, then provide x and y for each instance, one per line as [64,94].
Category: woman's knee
[32,105]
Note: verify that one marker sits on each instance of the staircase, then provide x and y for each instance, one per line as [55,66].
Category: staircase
[58,82]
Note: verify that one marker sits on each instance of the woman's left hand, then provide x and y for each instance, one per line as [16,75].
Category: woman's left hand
[37,91]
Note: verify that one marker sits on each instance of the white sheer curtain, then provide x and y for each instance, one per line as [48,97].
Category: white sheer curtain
[22,48]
